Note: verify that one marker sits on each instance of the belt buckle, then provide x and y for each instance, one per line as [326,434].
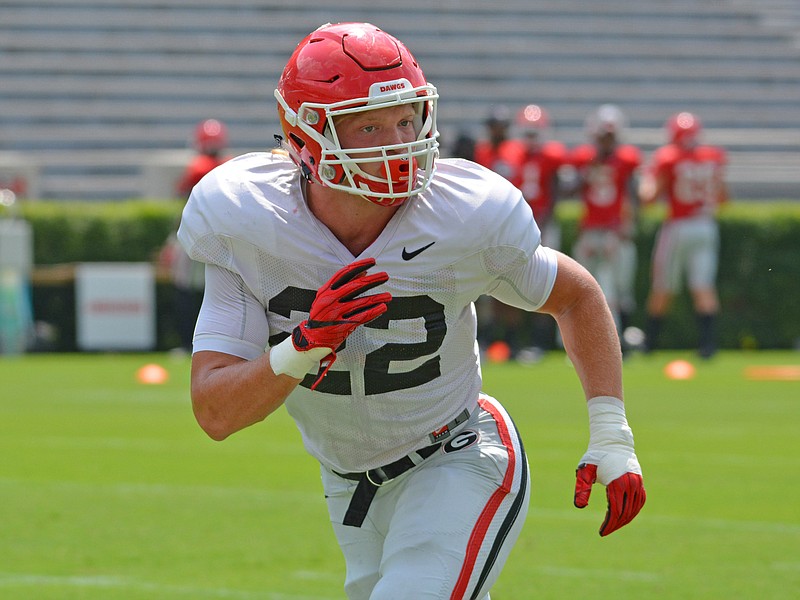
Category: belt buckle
[379,473]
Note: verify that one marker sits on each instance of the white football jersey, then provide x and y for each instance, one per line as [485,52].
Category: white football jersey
[400,378]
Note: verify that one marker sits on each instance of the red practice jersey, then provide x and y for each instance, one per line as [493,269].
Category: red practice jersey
[195,171]
[504,159]
[536,177]
[604,187]
[693,178]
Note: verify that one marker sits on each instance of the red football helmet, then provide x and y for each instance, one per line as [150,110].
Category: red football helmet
[347,68]
[683,128]
[210,136]
[533,117]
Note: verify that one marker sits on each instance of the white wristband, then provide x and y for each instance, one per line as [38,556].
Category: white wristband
[608,424]
[286,360]
[610,439]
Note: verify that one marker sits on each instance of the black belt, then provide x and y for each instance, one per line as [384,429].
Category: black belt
[370,481]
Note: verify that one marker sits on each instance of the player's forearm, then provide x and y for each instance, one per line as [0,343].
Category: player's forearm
[230,394]
[587,329]
[591,342]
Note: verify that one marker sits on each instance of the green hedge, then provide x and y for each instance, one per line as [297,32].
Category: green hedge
[132,231]
[759,278]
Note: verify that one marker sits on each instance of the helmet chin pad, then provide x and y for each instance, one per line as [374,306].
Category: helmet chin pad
[397,176]
[400,176]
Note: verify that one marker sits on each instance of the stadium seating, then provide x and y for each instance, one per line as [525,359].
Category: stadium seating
[94,91]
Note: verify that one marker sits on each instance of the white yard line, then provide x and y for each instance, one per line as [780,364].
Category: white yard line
[735,525]
[109,582]
[599,574]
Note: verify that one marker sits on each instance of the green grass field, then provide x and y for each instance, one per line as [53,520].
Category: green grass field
[109,490]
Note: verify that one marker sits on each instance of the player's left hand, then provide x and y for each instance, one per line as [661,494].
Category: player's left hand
[625,495]
[611,461]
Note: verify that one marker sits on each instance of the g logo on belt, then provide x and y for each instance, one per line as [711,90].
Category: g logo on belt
[465,439]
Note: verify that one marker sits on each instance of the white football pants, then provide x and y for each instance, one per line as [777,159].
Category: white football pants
[444,529]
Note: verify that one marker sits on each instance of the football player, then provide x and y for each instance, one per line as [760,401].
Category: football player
[691,177]
[538,179]
[606,171]
[210,142]
[340,284]
[498,151]
[537,176]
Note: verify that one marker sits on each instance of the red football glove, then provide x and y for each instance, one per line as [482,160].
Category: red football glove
[626,496]
[339,308]
[611,460]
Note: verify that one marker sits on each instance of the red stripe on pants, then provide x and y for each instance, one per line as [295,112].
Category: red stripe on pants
[478,535]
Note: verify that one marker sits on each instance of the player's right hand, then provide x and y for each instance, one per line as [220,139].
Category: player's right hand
[339,307]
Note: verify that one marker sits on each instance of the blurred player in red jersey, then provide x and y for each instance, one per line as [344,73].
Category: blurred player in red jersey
[537,176]
[502,154]
[538,179]
[691,178]
[606,172]
[210,141]
[188,276]
[498,151]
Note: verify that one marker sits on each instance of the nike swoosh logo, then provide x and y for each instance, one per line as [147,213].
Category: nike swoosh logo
[409,255]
